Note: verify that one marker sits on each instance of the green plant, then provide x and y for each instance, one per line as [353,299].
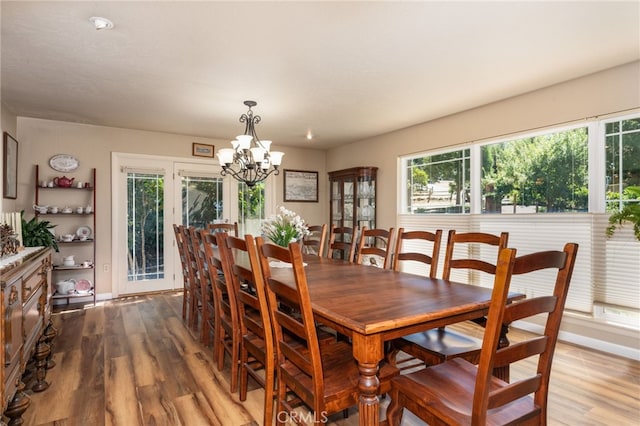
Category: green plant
[37,233]
[629,213]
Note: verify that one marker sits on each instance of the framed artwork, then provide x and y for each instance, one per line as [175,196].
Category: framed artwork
[202,150]
[300,185]
[10,177]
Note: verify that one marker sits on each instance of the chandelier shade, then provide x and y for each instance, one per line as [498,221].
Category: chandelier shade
[249,159]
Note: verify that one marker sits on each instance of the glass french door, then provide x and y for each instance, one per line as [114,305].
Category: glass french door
[150,195]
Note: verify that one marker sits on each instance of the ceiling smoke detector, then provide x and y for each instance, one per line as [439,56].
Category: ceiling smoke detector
[101,23]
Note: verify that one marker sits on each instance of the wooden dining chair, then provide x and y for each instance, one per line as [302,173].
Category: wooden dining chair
[342,241]
[375,247]
[188,298]
[257,350]
[440,344]
[231,228]
[322,376]
[425,249]
[457,392]
[188,233]
[315,242]
[227,324]
[205,288]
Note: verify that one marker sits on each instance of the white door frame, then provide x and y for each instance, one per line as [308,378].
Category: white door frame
[153,163]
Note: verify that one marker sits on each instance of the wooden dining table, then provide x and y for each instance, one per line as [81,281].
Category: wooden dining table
[372,306]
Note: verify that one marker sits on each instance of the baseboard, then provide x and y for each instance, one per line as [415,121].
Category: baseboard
[609,336]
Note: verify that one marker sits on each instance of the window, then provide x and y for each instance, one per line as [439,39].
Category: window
[546,173]
[622,156]
[201,200]
[145,226]
[540,174]
[251,207]
[550,172]
[438,183]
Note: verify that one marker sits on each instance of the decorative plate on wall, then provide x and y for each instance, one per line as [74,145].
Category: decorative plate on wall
[64,163]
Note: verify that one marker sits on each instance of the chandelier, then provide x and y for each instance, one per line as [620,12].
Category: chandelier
[247,163]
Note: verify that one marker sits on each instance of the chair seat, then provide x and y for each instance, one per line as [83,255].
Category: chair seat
[341,376]
[452,400]
[438,345]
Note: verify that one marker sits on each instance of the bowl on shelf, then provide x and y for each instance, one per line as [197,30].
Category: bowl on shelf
[66,286]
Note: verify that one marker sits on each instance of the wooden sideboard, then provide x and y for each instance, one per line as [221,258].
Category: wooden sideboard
[26,331]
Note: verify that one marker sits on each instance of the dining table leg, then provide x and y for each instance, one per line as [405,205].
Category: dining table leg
[368,350]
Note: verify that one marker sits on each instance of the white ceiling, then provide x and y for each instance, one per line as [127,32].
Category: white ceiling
[343,70]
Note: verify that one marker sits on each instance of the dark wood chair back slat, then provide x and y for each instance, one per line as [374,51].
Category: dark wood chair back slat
[315,242]
[473,240]
[432,238]
[188,302]
[230,228]
[375,247]
[342,241]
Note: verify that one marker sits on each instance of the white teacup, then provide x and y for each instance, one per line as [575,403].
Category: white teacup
[53,209]
[80,210]
[41,209]
[88,209]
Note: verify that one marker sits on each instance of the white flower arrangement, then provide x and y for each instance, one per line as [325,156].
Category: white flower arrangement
[284,227]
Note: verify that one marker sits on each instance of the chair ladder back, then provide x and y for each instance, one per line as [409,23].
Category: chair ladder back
[315,242]
[177,229]
[187,298]
[541,346]
[257,350]
[504,268]
[418,256]
[375,242]
[224,227]
[246,282]
[305,354]
[474,240]
[338,242]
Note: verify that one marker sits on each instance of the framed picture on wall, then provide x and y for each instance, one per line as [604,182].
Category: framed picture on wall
[202,150]
[10,177]
[300,186]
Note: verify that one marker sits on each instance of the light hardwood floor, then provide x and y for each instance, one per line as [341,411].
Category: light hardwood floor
[132,361]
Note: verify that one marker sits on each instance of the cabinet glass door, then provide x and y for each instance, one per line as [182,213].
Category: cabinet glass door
[336,203]
[349,203]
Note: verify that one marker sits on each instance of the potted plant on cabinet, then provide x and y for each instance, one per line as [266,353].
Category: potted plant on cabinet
[37,233]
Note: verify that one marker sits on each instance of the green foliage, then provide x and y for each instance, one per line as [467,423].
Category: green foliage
[251,201]
[145,230]
[420,177]
[547,171]
[36,233]
[206,205]
[629,213]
